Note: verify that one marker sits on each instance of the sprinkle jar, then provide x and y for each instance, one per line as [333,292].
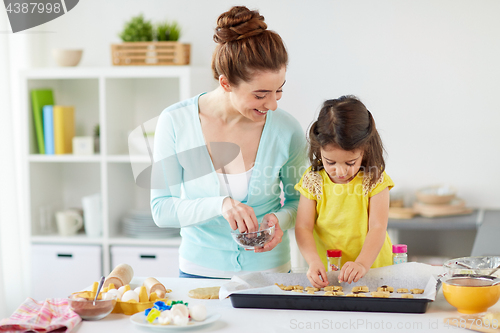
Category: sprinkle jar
[334,258]
[399,254]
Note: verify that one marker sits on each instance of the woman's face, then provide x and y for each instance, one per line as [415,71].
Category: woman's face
[255,98]
[341,165]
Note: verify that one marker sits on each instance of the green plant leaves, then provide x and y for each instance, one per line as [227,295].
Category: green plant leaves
[137,30]
[140,30]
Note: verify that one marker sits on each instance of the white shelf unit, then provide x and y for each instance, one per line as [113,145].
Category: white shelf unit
[119,99]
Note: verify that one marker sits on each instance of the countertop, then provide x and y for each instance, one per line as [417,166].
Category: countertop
[457,222]
[268,320]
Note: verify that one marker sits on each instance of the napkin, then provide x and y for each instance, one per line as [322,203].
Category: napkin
[52,314]
[408,275]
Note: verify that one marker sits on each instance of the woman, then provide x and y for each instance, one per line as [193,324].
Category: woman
[224,154]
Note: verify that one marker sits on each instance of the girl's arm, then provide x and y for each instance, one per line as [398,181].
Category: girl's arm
[378,215]
[304,226]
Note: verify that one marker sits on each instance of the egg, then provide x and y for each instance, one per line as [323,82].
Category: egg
[181,321]
[130,295]
[137,290]
[198,312]
[179,310]
[113,292]
[121,290]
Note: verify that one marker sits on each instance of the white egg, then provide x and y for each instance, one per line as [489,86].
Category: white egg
[179,310]
[130,295]
[137,290]
[181,321]
[121,290]
[113,292]
[198,312]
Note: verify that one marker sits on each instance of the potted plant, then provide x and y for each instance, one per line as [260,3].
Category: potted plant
[137,30]
[168,31]
[148,44]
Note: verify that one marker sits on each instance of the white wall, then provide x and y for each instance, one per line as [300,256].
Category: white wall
[427,69]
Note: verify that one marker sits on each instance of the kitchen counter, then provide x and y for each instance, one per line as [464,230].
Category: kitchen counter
[267,320]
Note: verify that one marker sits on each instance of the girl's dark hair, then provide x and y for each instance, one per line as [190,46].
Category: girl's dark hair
[346,123]
[245,45]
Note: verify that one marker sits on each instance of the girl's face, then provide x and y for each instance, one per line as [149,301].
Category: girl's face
[255,98]
[341,165]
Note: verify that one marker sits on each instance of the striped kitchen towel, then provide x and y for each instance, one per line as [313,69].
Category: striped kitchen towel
[53,314]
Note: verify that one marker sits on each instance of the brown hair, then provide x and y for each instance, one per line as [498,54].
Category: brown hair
[245,45]
[346,123]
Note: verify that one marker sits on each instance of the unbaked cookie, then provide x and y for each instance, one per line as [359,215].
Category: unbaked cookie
[384,294]
[205,293]
[360,289]
[385,288]
[417,291]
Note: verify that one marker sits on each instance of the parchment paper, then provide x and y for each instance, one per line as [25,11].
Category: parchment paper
[408,275]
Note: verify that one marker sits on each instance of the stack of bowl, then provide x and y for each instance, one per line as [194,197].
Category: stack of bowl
[471,284]
[439,200]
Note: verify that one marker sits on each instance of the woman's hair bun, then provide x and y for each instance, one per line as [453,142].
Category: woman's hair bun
[238,23]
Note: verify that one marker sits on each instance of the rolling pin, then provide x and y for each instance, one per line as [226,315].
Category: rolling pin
[154,286]
[120,276]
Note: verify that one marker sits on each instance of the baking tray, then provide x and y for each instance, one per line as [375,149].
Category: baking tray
[329,303]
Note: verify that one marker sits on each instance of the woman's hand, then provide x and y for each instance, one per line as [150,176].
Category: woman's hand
[271,220]
[352,272]
[317,274]
[239,215]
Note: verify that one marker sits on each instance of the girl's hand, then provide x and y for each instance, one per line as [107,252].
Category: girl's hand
[317,274]
[271,220]
[239,215]
[352,272]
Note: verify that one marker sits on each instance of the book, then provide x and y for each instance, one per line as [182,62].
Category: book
[64,128]
[48,129]
[40,98]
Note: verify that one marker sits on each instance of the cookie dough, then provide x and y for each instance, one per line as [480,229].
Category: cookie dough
[205,293]
[360,289]
[417,291]
[386,288]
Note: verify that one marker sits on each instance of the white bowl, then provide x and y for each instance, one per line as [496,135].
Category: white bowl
[434,195]
[67,57]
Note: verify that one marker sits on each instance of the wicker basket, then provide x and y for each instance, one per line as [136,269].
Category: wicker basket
[150,53]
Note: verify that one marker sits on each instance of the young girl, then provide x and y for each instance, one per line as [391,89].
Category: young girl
[344,202]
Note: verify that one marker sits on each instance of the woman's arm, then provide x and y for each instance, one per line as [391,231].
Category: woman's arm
[168,174]
[378,215]
[304,227]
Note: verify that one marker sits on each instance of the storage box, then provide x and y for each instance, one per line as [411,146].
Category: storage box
[150,53]
[148,261]
[59,270]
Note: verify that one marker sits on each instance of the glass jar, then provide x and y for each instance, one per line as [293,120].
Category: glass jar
[334,258]
[399,254]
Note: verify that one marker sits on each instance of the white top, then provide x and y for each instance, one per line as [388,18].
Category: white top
[235,185]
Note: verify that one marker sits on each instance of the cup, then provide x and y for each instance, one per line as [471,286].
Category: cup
[68,222]
[46,215]
[92,215]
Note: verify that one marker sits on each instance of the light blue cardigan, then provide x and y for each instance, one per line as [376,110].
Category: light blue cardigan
[191,198]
